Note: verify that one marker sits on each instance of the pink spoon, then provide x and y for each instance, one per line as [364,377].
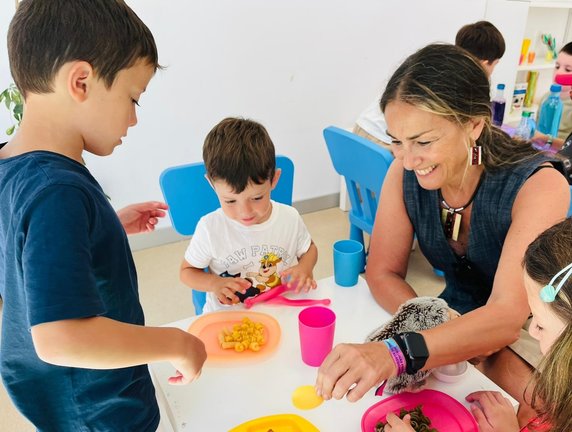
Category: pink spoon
[265,296]
[298,302]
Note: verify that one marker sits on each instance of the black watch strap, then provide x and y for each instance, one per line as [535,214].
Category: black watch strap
[414,350]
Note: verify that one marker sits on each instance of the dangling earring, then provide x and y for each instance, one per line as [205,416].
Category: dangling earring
[476,155]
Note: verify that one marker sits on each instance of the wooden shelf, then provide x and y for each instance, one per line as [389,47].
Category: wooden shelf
[566,4]
[536,66]
[513,119]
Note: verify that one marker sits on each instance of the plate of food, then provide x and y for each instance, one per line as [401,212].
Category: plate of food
[439,410]
[277,423]
[236,335]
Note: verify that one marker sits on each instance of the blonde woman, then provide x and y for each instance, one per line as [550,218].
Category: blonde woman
[475,199]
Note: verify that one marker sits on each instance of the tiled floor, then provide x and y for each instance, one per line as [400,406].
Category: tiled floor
[165,299]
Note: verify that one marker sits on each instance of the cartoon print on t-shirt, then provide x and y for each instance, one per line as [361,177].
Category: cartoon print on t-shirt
[251,291]
[267,276]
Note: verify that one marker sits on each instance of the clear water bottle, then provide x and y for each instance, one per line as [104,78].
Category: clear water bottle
[498,105]
[551,112]
[524,128]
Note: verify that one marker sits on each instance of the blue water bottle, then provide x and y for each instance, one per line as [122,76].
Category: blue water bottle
[524,128]
[498,105]
[551,112]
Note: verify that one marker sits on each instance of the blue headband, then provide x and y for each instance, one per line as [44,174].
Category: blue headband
[548,293]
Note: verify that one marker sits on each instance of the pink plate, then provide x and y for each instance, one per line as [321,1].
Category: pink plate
[446,414]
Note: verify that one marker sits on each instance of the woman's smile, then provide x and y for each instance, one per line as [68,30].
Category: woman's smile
[425,171]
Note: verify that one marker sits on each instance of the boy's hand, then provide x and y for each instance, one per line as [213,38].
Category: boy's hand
[225,288]
[299,278]
[189,366]
[141,217]
[493,412]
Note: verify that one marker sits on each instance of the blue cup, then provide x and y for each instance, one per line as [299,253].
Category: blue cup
[348,262]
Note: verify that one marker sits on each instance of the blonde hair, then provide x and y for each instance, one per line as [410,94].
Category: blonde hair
[551,397]
[448,81]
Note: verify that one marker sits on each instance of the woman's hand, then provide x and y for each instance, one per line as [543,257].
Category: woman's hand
[353,369]
[141,217]
[395,424]
[493,412]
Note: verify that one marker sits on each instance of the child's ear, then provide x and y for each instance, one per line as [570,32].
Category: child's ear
[276,177]
[80,78]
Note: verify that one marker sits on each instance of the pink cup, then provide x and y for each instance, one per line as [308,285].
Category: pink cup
[316,325]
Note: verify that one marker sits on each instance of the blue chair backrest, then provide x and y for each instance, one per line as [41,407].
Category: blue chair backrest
[190,196]
[364,166]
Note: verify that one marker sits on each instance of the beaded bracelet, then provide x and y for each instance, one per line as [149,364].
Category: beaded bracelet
[396,355]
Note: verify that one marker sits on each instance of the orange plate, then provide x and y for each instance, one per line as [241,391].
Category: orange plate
[277,423]
[208,326]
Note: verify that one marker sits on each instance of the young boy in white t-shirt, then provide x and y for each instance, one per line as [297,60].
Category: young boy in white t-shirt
[251,244]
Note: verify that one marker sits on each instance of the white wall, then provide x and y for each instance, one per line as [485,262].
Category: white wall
[297,66]
[7,8]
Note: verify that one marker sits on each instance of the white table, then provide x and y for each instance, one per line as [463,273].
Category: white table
[224,397]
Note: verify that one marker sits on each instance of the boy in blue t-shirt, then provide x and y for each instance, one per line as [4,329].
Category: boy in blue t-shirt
[74,346]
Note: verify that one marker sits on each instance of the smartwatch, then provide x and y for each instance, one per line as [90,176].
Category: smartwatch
[414,349]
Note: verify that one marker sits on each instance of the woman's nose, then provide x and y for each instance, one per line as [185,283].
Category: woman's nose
[410,159]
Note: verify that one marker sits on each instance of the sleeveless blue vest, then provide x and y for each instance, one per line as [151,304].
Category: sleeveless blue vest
[469,279]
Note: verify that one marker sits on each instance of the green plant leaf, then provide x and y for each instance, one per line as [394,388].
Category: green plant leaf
[14,104]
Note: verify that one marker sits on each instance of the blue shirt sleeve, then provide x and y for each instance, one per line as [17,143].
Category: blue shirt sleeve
[58,276]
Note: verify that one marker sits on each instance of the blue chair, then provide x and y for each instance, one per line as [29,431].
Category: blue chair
[190,196]
[364,166]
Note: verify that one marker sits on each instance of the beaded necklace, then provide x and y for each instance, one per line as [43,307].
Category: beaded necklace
[451,216]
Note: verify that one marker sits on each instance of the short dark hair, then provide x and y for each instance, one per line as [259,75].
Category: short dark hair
[46,34]
[567,49]
[238,151]
[482,39]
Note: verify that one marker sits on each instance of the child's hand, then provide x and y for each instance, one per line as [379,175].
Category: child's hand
[395,424]
[299,278]
[141,217]
[493,412]
[190,364]
[225,288]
